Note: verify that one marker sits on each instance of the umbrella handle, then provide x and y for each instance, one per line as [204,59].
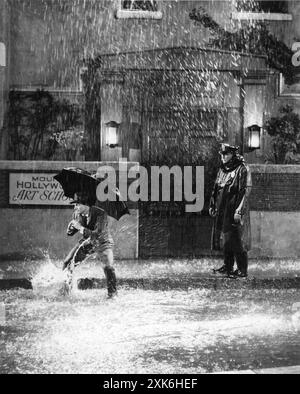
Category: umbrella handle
[100,209]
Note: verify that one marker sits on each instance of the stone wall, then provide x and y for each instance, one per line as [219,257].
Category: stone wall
[50,42]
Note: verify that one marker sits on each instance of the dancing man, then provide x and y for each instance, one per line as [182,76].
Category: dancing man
[92,223]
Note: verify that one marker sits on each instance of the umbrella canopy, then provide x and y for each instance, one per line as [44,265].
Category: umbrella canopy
[115,209]
[75,180]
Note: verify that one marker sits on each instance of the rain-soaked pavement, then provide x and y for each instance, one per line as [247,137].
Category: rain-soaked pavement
[144,330]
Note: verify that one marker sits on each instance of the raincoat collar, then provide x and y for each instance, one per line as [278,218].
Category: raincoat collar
[233,164]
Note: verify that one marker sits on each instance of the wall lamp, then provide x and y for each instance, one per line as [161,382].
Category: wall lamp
[112,134]
[254,133]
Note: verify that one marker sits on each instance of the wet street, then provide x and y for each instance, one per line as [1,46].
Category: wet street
[141,131]
[191,330]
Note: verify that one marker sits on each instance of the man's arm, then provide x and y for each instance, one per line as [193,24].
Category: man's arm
[99,218]
[212,202]
[71,230]
[244,188]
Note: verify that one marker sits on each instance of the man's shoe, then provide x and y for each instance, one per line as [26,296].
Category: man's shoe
[111,296]
[65,290]
[111,281]
[222,270]
[240,274]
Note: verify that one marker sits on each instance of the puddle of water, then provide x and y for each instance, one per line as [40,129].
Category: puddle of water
[149,331]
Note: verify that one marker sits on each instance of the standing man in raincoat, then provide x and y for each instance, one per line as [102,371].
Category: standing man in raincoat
[230,210]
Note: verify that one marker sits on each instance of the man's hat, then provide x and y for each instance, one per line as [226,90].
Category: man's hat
[226,148]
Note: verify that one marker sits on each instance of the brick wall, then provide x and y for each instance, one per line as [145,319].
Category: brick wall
[275,197]
[275,188]
[275,192]
[275,201]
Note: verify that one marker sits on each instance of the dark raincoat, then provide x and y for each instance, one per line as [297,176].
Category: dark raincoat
[230,195]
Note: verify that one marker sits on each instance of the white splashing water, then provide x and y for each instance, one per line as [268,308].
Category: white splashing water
[49,277]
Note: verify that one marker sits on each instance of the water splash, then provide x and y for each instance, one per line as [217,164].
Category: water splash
[150,332]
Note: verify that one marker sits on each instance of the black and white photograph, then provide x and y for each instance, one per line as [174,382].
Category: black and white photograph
[149,190]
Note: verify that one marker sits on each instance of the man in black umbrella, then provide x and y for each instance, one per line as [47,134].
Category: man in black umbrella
[92,223]
[230,210]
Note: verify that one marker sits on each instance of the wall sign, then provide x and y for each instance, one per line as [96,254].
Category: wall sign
[35,189]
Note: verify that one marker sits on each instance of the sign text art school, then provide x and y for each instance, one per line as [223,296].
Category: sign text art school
[35,189]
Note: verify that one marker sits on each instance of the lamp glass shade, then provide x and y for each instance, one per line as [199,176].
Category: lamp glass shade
[112,133]
[111,136]
[254,138]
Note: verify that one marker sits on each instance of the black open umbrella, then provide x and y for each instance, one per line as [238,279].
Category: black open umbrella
[75,180]
[115,209]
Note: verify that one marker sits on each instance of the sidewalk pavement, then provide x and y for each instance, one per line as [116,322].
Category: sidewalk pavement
[157,274]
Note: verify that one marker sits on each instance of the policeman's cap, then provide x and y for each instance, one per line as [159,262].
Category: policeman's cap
[226,148]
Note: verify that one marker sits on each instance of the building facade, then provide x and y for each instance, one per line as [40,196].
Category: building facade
[50,44]
[156,82]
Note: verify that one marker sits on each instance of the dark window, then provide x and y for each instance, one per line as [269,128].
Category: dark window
[280,7]
[42,126]
[140,5]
